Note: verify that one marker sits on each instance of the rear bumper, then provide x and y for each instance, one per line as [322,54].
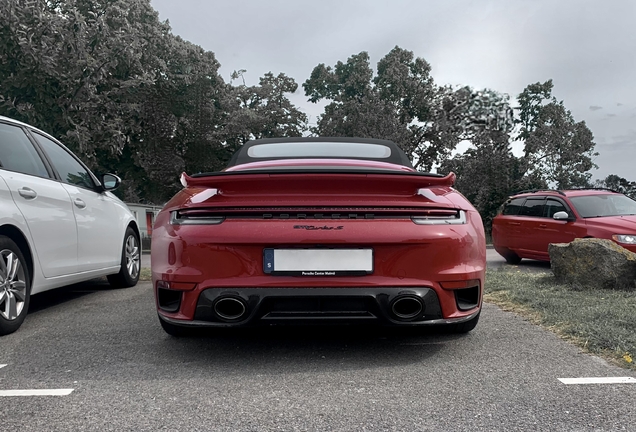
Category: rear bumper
[387,306]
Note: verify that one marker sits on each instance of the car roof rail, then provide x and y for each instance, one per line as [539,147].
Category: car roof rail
[540,190]
[596,188]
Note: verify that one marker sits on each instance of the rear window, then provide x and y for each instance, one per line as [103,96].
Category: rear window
[319,149]
[604,205]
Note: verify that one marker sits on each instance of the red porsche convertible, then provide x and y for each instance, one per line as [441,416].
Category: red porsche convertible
[316,231]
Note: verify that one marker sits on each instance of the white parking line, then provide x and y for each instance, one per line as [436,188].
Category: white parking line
[35,392]
[599,380]
[42,392]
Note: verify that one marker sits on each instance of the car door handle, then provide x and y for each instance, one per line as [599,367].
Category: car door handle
[79,203]
[514,223]
[543,226]
[27,193]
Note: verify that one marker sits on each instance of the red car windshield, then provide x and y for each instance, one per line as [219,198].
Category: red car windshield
[590,206]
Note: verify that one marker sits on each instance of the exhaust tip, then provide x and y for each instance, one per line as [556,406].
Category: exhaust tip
[407,307]
[230,308]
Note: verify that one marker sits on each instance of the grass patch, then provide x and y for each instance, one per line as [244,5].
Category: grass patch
[145,274]
[602,322]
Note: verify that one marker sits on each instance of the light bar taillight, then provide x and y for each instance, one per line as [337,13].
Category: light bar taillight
[194,217]
[441,217]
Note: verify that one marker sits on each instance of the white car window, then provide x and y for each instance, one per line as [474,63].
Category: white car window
[70,170]
[17,152]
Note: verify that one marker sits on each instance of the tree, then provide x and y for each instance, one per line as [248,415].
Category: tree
[110,80]
[392,105]
[400,103]
[262,111]
[618,184]
[531,101]
[68,66]
[488,172]
[557,149]
[180,121]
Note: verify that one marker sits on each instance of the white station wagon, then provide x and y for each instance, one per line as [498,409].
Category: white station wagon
[59,223]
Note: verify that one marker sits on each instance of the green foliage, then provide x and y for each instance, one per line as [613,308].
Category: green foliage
[65,65]
[557,149]
[531,100]
[618,184]
[345,81]
[112,82]
[263,111]
[405,82]
[402,103]
[394,105]
[179,120]
[82,70]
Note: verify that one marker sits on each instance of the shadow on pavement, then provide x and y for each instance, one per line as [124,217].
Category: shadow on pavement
[525,265]
[67,293]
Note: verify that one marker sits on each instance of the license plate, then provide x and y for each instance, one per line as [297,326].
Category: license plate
[318,262]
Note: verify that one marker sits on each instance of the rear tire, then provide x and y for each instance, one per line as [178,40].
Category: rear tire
[15,286]
[512,258]
[128,275]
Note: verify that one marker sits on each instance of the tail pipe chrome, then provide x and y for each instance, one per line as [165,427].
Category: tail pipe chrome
[407,307]
[230,308]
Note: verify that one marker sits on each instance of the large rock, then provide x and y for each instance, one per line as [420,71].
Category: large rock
[593,263]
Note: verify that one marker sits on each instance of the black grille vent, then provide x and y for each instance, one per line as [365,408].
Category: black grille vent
[318,213]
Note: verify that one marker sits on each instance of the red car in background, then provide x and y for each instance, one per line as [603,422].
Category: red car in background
[318,230]
[528,222]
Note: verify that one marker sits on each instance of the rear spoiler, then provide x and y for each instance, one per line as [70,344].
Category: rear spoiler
[382,179]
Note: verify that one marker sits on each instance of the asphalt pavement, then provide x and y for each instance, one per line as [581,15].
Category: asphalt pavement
[494,261]
[119,371]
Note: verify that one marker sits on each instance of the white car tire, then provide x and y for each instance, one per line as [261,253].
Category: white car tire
[15,286]
[128,275]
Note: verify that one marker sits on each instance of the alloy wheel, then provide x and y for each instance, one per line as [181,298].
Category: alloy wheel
[13,287]
[133,260]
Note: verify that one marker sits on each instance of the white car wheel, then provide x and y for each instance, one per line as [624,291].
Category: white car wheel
[14,286]
[130,262]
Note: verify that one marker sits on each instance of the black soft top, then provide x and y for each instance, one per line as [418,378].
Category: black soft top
[246,153]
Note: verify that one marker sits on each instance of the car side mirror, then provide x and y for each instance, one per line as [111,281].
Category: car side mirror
[110,182]
[562,216]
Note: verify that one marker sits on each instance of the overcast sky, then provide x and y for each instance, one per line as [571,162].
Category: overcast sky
[588,49]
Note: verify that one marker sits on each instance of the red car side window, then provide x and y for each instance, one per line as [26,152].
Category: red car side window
[532,207]
[513,207]
[553,206]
